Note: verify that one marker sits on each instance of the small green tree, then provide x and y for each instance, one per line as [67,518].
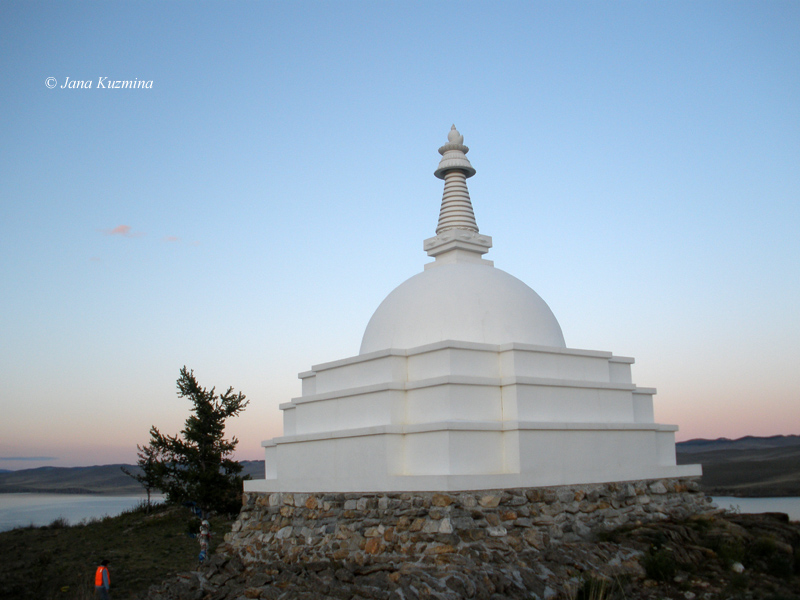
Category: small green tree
[197,465]
[151,471]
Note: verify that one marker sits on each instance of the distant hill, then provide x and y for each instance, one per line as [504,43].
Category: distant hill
[748,466]
[746,443]
[101,479]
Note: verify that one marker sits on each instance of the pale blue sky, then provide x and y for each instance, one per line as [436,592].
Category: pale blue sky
[638,166]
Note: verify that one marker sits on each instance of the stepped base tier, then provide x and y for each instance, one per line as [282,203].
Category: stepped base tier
[461,416]
[464,382]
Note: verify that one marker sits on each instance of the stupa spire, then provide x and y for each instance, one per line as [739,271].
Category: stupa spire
[457,238]
[455,168]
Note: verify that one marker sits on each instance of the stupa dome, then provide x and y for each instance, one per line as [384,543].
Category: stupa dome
[466,302]
[460,296]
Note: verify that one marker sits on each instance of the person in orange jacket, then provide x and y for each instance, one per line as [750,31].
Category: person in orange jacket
[102,581]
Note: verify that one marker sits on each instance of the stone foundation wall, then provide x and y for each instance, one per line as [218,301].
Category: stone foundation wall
[381,527]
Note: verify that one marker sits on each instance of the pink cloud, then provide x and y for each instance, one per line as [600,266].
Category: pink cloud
[123,230]
[171,238]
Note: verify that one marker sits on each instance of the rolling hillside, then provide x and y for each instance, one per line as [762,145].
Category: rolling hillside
[749,466]
[102,479]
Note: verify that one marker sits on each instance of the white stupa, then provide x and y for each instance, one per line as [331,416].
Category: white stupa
[464,382]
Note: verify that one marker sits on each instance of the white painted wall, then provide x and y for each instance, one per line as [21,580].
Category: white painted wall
[463,415]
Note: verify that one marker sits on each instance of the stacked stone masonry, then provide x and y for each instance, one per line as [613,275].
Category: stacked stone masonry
[440,527]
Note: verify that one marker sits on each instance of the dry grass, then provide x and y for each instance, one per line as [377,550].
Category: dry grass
[58,561]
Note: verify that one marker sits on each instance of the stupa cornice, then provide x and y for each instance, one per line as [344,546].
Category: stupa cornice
[458,245]
[461,345]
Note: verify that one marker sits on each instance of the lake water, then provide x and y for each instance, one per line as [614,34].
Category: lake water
[789,505]
[21,510]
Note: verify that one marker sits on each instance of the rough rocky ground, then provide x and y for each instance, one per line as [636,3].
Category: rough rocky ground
[704,557]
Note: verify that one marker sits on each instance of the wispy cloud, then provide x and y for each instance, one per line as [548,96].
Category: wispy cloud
[124,231]
[172,238]
[28,458]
